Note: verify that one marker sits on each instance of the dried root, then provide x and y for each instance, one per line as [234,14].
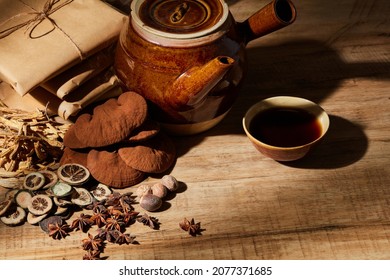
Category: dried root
[29,141]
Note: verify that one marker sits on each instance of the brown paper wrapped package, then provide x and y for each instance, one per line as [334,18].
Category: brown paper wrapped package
[96,89]
[70,80]
[38,99]
[34,49]
[41,99]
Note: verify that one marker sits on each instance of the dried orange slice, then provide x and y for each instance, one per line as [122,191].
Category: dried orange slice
[34,219]
[23,198]
[101,192]
[61,202]
[10,194]
[61,189]
[44,224]
[51,178]
[34,181]
[73,173]
[15,217]
[81,197]
[40,204]
[4,206]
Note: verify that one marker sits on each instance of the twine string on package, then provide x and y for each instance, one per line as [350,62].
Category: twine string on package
[49,7]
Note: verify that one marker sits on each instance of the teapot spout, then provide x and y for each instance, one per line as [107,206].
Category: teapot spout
[191,87]
[274,16]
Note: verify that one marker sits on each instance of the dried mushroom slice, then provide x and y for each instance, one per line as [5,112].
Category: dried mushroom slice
[23,198]
[147,130]
[40,204]
[71,141]
[73,173]
[34,181]
[35,219]
[15,217]
[61,189]
[153,156]
[101,192]
[73,156]
[110,123]
[108,168]
[4,206]
[81,197]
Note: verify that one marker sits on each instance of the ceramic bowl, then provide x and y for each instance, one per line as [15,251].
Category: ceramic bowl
[256,117]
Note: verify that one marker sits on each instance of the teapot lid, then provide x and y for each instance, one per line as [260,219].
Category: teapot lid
[179,19]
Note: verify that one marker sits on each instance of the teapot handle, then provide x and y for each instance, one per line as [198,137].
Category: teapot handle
[275,15]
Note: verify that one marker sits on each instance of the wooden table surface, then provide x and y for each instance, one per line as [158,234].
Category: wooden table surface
[333,204]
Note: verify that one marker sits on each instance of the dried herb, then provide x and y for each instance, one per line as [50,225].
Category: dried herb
[28,141]
[124,238]
[115,211]
[129,217]
[149,221]
[112,235]
[126,203]
[94,243]
[99,218]
[93,255]
[97,206]
[191,227]
[114,223]
[112,215]
[113,199]
[83,223]
[58,231]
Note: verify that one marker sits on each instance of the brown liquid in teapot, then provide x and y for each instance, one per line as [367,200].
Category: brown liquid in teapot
[285,127]
[180,17]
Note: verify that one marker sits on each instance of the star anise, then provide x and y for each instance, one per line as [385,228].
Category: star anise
[102,233]
[58,231]
[92,255]
[114,223]
[124,238]
[149,221]
[191,227]
[112,235]
[99,218]
[96,206]
[129,217]
[94,243]
[115,211]
[83,223]
[126,202]
[113,199]
[108,234]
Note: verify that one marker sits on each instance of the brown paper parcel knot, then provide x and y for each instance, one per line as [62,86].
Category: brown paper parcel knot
[50,7]
[60,33]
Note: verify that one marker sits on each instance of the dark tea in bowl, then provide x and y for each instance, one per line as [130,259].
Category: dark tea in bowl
[285,128]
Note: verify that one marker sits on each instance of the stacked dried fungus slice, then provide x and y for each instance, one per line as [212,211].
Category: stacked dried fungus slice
[109,169]
[110,122]
[154,155]
[118,143]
